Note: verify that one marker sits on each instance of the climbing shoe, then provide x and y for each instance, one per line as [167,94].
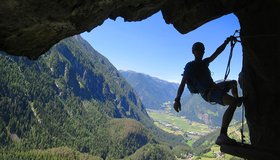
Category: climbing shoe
[224,139]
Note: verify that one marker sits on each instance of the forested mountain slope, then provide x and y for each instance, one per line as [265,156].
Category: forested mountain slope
[71,96]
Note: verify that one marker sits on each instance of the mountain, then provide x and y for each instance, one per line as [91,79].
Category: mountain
[73,97]
[152,91]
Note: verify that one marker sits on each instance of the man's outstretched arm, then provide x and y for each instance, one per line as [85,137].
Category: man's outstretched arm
[220,49]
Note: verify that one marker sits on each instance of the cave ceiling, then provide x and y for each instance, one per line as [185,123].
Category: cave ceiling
[30,28]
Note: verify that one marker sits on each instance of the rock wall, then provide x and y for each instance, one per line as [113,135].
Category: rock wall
[31,27]
[260,34]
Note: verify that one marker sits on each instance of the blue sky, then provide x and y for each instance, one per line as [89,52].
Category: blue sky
[159,50]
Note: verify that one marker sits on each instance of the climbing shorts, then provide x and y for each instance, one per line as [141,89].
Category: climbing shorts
[216,94]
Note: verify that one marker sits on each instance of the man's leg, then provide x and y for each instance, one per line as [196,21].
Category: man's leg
[227,117]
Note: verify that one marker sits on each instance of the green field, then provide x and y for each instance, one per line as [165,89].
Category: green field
[193,131]
[179,125]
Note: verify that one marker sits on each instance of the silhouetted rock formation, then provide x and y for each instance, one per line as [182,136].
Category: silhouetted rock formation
[31,27]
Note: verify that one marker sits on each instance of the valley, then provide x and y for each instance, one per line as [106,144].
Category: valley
[199,136]
[180,125]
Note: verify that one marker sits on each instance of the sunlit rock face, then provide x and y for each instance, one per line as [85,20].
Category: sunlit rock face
[31,27]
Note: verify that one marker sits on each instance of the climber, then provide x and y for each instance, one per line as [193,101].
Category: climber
[198,78]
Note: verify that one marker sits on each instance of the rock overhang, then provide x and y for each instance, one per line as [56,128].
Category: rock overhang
[30,28]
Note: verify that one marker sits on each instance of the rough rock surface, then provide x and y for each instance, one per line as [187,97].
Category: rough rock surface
[31,27]
[260,34]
